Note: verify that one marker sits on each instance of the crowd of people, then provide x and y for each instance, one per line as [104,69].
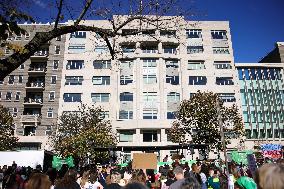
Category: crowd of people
[176,176]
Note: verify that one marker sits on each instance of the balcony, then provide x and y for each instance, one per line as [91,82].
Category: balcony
[37,69]
[32,101]
[42,54]
[35,85]
[36,119]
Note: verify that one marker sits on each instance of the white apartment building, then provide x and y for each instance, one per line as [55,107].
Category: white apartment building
[141,89]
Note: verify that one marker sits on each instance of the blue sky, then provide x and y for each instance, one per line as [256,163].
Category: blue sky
[255,24]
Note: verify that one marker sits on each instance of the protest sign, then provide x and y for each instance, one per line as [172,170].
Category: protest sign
[272,151]
[144,161]
[240,157]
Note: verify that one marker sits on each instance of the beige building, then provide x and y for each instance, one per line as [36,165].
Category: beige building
[157,68]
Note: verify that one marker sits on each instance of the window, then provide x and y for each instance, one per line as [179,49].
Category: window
[8,51]
[173,97]
[150,136]
[168,33]
[149,49]
[27,36]
[221,50]
[194,33]
[101,49]
[21,79]
[29,131]
[194,49]
[150,105]
[53,79]
[74,80]
[18,37]
[14,112]
[22,66]
[74,64]
[126,135]
[55,64]
[11,79]
[197,80]
[227,97]
[150,114]
[76,48]
[219,34]
[195,65]
[0,95]
[101,80]
[224,81]
[125,114]
[50,113]
[223,65]
[1,82]
[10,37]
[149,71]
[57,49]
[102,64]
[126,96]
[17,96]
[72,97]
[128,48]
[58,38]
[172,74]
[100,97]
[9,96]
[78,34]
[126,72]
[51,95]
[105,115]
[170,49]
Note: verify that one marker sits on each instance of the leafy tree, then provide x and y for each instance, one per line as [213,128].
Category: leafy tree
[198,117]
[81,133]
[7,140]
[138,12]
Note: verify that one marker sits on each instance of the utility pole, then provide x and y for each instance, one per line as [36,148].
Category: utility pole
[222,134]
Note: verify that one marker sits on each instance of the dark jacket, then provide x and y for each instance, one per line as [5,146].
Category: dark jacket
[113,186]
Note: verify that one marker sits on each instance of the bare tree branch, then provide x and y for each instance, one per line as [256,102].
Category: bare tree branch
[88,4]
[59,13]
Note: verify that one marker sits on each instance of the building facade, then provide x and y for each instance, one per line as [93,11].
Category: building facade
[141,89]
[31,92]
[262,96]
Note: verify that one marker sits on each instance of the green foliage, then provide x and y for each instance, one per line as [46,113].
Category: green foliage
[7,140]
[198,118]
[80,133]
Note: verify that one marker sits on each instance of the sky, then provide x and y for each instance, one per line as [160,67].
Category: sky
[256,25]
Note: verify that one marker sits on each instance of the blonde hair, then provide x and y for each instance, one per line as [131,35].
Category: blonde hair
[270,176]
[39,181]
[84,178]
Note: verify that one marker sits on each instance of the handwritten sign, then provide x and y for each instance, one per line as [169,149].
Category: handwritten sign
[272,151]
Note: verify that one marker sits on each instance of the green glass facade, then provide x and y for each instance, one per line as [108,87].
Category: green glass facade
[262,97]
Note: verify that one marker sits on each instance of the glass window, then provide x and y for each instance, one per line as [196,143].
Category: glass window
[197,80]
[194,49]
[18,37]
[51,95]
[126,96]
[27,36]
[125,114]
[53,79]
[150,114]
[173,97]
[219,34]
[100,97]
[150,136]
[8,96]
[149,49]
[195,65]
[101,49]
[57,49]
[168,33]
[74,80]
[78,34]
[149,79]
[224,81]
[17,96]
[227,97]
[170,49]
[105,115]
[21,77]
[101,80]
[102,64]
[22,66]
[174,80]
[74,64]
[50,113]
[241,74]
[11,79]
[55,64]
[76,48]
[221,50]
[126,79]
[223,65]
[58,38]
[194,33]
[171,115]
[126,135]
[72,97]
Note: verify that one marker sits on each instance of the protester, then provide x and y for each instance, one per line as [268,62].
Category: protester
[270,176]
[195,169]
[213,180]
[39,181]
[115,180]
[190,183]
[68,181]
[178,171]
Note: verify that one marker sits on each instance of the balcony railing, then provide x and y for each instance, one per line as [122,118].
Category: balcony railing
[30,118]
[41,53]
[37,69]
[35,84]
[28,100]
